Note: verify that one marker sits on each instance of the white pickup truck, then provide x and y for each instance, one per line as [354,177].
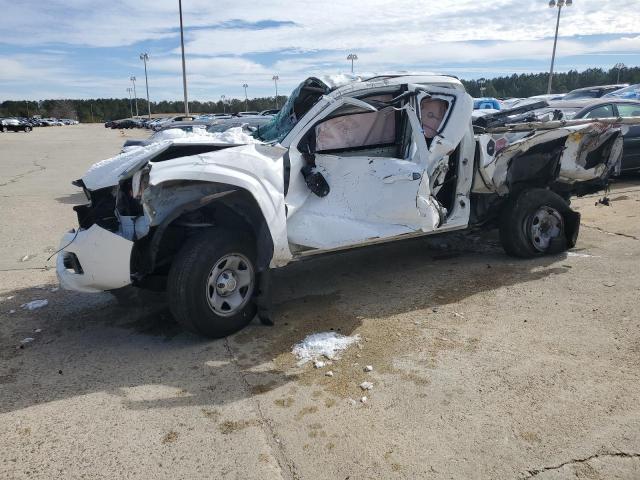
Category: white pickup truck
[341,166]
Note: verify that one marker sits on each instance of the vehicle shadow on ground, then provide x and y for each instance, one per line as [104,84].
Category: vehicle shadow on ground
[103,347]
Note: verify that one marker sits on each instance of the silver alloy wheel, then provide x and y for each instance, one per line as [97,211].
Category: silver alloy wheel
[230,284]
[545,225]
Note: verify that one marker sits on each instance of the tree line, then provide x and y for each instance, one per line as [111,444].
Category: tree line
[103,109]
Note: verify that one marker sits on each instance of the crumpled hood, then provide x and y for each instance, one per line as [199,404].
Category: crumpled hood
[109,172]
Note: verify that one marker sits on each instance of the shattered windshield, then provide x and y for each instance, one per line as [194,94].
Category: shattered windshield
[299,102]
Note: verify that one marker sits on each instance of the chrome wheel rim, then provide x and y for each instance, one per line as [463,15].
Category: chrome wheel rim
[545,225]
[230,284]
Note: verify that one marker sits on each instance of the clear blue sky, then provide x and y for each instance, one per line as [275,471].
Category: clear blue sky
[84,49]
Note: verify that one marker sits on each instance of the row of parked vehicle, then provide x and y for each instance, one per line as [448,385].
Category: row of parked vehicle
[23,124]
[183,121]
[600,101]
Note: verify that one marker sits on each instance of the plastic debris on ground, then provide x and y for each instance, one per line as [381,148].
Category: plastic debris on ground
[368,368]
[329,374]
[35,304]
[363,399]
[366,385]
[325,344]
[319,364]
[27,340]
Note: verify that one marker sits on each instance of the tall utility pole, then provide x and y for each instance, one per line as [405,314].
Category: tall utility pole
[559,4]
[145,58]
[619,66]
[135,95]
[130,102]
[352,57]
[91,108]
[224,103]
[275,79]
[184,69]
[246,99]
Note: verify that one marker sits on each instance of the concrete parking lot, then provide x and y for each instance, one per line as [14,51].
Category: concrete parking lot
[484,366]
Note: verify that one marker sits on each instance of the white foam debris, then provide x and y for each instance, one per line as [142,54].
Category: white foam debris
[234,136]
[37,330]
[366,385]
[12,311]
[368,368]
[319,364]
[580,255]
[325,344]
[54,289]
[363,399]
[27,340]
[35,304]
[329,374]
[25,258]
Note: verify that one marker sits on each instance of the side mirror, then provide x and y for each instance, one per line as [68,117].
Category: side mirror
[315,181]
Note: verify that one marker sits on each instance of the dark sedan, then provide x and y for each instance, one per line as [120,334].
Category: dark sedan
[609,107]
[14,125]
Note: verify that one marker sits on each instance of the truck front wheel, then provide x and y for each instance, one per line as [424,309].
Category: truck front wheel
[538,222]
[212,282]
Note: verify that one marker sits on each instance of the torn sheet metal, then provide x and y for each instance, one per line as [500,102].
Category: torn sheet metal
[584,152]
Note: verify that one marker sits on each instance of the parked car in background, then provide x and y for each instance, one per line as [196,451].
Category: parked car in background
[486,103]
[592,92]
[632,92]
[609,107]
[168,121]
[14,125]
[273,111]
[124,123]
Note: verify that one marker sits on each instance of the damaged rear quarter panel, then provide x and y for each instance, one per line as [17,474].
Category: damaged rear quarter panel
[583,153]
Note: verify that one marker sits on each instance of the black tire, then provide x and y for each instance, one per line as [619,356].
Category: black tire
[27,129]
[188,285]
[520,220]
[5,129]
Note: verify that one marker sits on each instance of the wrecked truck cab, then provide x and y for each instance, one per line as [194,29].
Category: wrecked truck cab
[347,162]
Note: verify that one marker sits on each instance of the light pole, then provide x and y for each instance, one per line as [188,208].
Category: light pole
[275,79]
[352,57]
[246,99]
[559,4]
[481,83]
[133,80]
[619,66]
[184,70]
[224,105]
[145,58]
[130,102]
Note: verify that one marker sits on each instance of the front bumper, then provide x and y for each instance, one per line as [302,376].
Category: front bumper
[94,261]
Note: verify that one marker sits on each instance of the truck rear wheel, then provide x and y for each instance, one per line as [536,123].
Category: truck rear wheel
[212,282]
[538,222]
